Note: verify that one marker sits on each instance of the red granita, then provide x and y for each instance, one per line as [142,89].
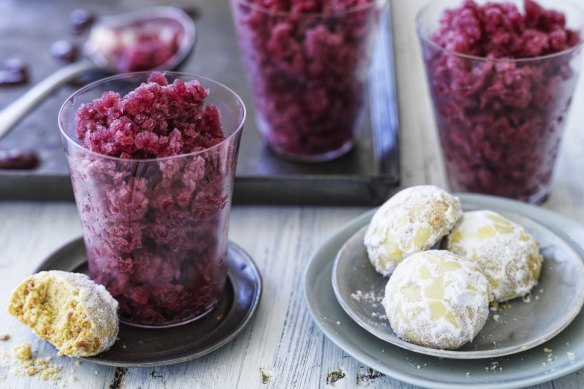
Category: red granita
[141,46]
[501,105]
[155,224]
[307,65]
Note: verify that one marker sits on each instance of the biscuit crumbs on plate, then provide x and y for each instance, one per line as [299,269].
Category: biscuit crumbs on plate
[4,337]
[550,354]
[371,297]
[571,356]
[495,366]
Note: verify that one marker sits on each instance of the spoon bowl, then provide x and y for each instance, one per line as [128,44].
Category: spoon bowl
[114,44]
[141,33]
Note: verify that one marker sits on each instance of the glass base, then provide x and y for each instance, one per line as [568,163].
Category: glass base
[314,158]
[265,131]
[540,197]
[169,325]
[536,198]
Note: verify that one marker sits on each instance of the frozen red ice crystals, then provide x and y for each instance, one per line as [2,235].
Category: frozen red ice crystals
[156,119]
[307,72]
[155,229]
[500,120]
[144,45]
[500,30]
[150,49]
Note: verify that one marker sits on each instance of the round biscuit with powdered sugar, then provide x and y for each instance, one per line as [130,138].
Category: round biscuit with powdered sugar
[413,220]
[504,251]
[436,299]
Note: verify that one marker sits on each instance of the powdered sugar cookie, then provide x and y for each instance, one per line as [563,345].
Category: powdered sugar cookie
[435,299]
[413,220]
[506,254]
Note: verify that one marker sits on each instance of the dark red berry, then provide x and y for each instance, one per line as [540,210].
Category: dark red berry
[13,72]
[65,50]
[18,159]
[81,19]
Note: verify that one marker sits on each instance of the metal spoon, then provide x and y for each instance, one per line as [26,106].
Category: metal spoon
[96,60]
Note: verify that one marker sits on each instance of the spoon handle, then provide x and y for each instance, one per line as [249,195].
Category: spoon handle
[15,111]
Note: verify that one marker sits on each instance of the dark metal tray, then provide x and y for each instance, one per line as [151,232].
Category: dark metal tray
[364,176]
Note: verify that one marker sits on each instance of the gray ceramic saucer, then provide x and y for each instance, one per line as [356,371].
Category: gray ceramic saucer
[561,355]
[516,326]
[140,347]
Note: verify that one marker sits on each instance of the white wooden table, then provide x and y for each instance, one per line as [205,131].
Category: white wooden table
[281,338]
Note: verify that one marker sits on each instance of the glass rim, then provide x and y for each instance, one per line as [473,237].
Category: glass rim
[430,42]
[310,15]
[75,142]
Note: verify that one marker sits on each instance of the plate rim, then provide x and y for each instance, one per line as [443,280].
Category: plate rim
[245,319]
[454,354]
[316,266]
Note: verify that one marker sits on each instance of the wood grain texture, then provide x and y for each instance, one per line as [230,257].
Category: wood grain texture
[281,338]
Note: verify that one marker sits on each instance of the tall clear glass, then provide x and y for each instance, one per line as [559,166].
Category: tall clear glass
[500,121]
[308,75]
[155,230]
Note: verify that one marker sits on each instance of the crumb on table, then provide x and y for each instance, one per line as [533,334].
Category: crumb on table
[266,375]
[23,351]
[26,365]
[335,375]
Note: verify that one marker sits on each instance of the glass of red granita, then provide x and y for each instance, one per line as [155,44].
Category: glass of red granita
[152,159]
[307,63]
[501,76]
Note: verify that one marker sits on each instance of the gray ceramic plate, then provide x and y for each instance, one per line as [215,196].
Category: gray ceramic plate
[522,324]
[141,347]
[559,356]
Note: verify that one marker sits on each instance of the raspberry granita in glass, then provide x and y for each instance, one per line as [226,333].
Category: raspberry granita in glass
[501,76]
[307,63]
[152,163]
